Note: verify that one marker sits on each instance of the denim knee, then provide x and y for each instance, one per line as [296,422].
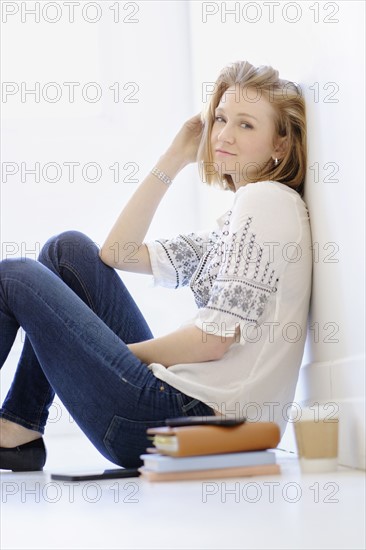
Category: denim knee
[18,268]
[67,245]
[9,265]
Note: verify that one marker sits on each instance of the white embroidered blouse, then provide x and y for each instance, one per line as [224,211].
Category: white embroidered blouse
[252,273]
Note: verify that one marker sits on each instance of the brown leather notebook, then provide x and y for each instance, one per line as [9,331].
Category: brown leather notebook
[204,440]
[262,469]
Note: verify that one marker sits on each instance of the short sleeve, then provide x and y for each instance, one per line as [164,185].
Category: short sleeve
[174,261]
[250,258]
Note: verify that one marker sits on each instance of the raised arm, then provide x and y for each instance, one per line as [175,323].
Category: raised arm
[123,248]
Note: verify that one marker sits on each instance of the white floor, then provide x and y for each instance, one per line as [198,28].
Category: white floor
[288,511]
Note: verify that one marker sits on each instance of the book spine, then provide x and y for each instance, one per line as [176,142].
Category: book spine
[161,463]
[251,437]
[267,469]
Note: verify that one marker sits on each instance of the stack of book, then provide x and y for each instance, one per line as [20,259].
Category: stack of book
[211,451]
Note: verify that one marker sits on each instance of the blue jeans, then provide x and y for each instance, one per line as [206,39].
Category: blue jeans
[78,317]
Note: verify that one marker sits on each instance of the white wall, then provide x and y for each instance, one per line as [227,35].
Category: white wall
[153,55]
[327,59]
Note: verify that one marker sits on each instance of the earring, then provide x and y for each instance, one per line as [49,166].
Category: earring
[276,161]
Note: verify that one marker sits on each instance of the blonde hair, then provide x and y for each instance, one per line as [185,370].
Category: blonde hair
[290,121]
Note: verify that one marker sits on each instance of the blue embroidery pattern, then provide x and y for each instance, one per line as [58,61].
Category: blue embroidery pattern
[184,253]
[226,273]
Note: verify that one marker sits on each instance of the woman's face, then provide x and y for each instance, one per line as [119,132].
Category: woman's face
[242,137]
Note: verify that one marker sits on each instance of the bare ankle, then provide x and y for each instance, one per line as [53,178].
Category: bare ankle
[13,434]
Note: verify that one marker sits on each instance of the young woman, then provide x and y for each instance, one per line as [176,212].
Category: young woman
[250,275]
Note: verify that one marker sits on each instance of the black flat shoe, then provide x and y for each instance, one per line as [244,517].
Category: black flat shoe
[29,457]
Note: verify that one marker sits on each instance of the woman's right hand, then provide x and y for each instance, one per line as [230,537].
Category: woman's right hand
[186,142]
